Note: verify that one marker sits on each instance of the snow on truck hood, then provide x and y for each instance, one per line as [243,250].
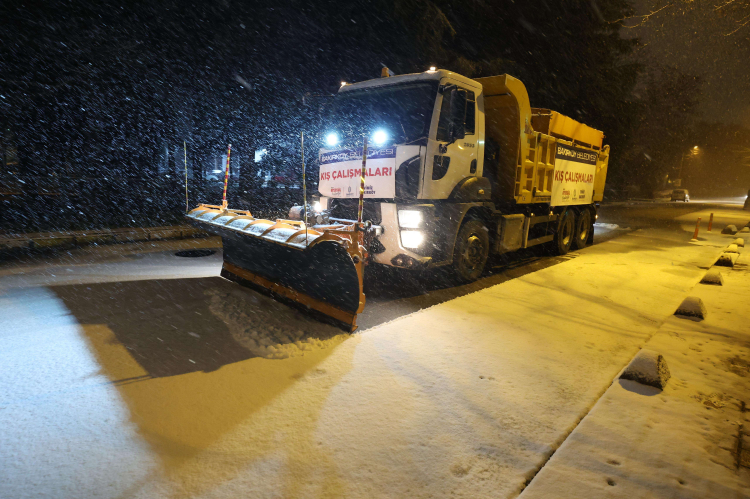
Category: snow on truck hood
[341,169]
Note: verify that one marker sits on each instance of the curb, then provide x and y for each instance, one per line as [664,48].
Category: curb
[49,240]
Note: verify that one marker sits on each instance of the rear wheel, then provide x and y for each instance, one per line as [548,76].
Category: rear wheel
[471,251]
[564,235]
[583,229]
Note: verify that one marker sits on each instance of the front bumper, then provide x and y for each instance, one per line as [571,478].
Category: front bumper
[394,253]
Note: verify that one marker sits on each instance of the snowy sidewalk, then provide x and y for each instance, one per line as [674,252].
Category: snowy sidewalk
[689,440]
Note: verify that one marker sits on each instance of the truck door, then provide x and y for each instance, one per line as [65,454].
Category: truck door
[450,159]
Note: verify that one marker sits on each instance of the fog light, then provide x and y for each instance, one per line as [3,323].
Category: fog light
[410,219]
[404,261]
[411,238]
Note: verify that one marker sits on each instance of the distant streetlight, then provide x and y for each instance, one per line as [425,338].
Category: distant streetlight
[693,152]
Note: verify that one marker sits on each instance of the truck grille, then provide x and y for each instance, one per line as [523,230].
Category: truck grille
[347,209]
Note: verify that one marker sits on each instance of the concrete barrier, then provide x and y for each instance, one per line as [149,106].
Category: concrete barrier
[727,260]
[648,368]
[713,276]
[692,306]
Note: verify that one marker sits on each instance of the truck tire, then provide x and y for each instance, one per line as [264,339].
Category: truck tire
[583,229]
[471,250]
[565,233]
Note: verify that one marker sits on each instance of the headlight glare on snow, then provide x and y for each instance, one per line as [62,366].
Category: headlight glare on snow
[410,219]
[411,238]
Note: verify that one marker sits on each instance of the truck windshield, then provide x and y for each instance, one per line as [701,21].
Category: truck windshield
[402,111]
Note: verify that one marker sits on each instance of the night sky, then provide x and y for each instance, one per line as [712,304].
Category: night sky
[101,102]
[694,38]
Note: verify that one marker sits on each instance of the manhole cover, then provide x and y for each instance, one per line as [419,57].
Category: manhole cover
[195,253]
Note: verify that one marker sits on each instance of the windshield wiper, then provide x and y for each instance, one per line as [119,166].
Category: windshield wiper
[424,138]
[406,137]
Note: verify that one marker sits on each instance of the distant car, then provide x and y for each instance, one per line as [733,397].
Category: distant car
[680,195]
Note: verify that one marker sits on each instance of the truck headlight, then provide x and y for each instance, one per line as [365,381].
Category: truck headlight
[410,219]
[411,238]
[317,208]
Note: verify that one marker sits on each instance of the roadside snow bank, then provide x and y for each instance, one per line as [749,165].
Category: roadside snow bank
[607,226]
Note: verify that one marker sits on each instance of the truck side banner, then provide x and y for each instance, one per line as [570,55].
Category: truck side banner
[340,172]
[574,176]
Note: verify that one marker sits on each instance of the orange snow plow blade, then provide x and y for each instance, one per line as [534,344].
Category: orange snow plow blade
[319,269]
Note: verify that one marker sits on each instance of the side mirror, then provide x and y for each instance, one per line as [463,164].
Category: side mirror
[458,114]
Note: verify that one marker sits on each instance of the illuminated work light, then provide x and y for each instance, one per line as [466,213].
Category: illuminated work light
[379,137]
[332,139]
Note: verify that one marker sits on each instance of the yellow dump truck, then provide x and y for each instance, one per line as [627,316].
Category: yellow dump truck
[455,169]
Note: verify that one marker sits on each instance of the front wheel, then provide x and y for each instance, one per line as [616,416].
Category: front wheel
[583,229]
[471,251]
[564,235]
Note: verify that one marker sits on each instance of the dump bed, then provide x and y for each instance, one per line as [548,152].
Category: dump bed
[535,155]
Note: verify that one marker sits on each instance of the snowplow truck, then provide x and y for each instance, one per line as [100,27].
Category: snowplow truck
[455,170]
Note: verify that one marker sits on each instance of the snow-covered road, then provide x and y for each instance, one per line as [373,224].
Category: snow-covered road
[123,374]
